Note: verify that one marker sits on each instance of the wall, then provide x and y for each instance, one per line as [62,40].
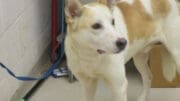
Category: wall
[24,35]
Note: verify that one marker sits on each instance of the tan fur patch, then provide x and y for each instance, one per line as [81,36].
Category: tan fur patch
[109,3]
[139,23]
[86,19]
[102,1]
[83,22]
[160,7]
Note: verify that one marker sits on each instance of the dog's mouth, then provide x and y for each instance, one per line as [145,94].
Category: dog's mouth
[117,52]
[100,51]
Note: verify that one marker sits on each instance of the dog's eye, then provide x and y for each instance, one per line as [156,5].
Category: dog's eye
[96,26]
[113,23]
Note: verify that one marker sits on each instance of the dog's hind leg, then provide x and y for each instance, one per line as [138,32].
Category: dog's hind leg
[176,57]
[175,52]
[141,63]
[172,39]
[89,85]
[168,64]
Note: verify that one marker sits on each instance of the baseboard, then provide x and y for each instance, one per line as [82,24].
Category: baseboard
[37,70]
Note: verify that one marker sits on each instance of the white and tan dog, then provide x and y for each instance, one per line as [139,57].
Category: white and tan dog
[103,36]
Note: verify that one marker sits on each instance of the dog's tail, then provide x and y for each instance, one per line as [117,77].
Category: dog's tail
[168,65]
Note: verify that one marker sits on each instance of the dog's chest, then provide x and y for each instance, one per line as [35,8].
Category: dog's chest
[94,66]
[91,66]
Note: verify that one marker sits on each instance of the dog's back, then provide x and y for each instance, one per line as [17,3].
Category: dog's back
[151,22]
[142,16]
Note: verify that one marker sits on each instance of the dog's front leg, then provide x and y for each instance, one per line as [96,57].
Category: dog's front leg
[118,84]
[89,85]
[119,90]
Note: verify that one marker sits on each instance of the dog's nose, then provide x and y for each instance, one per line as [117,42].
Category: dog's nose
[121,43]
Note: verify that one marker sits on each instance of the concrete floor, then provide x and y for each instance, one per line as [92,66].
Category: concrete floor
[61,90]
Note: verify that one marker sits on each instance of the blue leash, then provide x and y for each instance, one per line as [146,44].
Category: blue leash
[53,66]
[45,75]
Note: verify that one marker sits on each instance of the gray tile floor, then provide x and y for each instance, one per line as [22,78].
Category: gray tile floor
[61,90]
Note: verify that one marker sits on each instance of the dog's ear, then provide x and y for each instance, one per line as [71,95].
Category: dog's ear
[109,3]
[73,9]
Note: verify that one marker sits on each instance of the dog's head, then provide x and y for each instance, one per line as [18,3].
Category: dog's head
[93,25]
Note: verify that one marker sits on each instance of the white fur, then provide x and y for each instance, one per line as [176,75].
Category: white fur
[88,66]
[128,1]
[147,6]
[168,32]
[141,62]
[120,24]
[168,64]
